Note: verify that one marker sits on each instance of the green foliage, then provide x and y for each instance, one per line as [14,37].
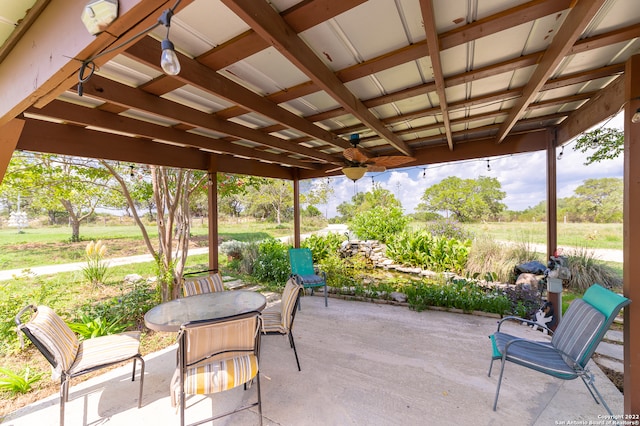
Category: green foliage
[18,382]
[422,249]
[364,201]
[28,289]
[272,263]
[343,272]
[467,199]
[88,327]
[323,245]
[608,144]
[595,201]
[96,269]
[118,313]
[379,223]
[459,294]
[449,228]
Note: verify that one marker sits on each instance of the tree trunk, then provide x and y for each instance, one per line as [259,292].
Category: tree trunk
[74,222]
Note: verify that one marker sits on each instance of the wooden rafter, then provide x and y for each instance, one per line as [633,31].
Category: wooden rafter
[269,25]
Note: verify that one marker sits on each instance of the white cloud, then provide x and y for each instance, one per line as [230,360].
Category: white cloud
[522,177]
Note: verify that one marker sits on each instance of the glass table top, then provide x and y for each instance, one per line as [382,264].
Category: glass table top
[171,315]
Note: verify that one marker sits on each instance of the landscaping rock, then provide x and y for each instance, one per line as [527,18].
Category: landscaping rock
[133,278]
[398,297]
[528,281]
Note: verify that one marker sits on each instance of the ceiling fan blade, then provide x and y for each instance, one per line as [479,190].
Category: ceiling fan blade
[333,170]
[354,155]
[375,168]
[391,160]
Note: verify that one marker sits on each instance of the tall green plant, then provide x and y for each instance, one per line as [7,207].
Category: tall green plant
[18,382]
[422,249]
[97,268]
[323,245]
[379,223]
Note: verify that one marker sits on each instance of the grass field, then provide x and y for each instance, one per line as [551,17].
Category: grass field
[583,235]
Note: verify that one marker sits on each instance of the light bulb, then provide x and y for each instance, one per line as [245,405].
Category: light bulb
[169,60]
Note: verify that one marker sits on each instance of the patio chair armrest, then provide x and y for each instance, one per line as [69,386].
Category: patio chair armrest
[529,322]
[31,308]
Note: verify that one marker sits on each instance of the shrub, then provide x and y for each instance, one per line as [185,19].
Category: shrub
[586,270]
[379,223]
[322,246]
[501,257]
[459,294]
[232,248]
[448,228]
[343,272]
[272,263]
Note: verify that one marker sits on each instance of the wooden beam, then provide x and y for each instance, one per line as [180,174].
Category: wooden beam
[604,104]
[9,136]
[195,74]
[129,97]
[270,26]
[72,113]
[429,21]
[501,21]
[72,140]
[573,26]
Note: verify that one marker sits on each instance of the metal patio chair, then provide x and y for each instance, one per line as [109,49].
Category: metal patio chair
[302,270]
[216,356]
[71,357]
[573,343]
[196,283]
[280,320]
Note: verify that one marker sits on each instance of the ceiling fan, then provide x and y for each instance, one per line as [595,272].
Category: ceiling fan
[357,162]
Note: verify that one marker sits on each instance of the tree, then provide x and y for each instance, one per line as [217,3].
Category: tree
[364,201]
[172,189]
[608,143]
[319,193]
[273,200]
[379,223]
[467,199]
[597,200]
[78,184]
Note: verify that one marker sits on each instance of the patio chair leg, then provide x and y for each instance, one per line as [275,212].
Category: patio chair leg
[259,397]
[490,367]
[326,304]
[495,402]
[293,345]
[141,378]
[64,396]
[590,384]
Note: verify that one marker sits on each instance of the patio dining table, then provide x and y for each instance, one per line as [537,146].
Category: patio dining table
[171,315]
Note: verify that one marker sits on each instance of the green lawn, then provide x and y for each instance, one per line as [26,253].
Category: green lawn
[583,235]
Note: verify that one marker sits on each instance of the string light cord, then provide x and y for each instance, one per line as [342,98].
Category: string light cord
[90,65]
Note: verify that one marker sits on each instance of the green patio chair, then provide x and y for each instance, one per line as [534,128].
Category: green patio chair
[573,343]
[304,273]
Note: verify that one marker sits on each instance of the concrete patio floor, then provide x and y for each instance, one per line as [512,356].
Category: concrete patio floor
[362,364]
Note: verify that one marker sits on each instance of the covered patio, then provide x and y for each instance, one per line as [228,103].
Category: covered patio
[281,88]
[362,364]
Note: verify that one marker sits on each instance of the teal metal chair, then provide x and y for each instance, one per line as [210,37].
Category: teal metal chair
[573,343]
[304,273]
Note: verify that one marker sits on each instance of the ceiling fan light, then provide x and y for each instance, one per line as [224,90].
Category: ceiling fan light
[354,173]
[636,117]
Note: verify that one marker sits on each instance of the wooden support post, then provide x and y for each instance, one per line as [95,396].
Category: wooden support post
[631,266]
[296,209]
[213,219]
[552,217]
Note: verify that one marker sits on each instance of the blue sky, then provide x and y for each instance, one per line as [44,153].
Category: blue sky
[522,176]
